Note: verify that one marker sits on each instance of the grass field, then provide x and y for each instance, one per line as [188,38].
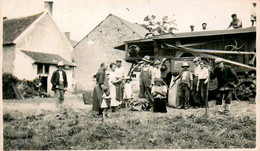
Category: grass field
[37,124]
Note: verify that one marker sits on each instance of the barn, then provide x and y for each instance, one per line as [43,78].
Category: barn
[98,46]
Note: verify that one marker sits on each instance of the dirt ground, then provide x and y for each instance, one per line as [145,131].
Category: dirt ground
[37,124]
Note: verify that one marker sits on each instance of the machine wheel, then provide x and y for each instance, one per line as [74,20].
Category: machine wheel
[245,91]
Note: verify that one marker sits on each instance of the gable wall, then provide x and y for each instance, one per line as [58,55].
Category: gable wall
[45,37]
[97,47]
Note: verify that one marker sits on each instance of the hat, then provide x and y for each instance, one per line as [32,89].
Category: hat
[157,62]
[218,60]
[196,59]
[185,64]
[146,58]
[60,63]
[204,23]
[119,60]
[233,15]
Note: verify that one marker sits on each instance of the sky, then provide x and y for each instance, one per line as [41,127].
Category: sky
[81,16]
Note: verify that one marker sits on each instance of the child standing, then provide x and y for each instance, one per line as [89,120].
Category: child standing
[105,105]
[128,94]
[159,92]
[186,85]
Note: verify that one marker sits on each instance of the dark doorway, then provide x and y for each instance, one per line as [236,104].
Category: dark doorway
[187,55]
[44,81]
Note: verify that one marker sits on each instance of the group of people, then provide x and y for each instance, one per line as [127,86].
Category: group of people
[112,88]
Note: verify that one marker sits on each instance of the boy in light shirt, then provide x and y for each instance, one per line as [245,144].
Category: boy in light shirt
[203,78]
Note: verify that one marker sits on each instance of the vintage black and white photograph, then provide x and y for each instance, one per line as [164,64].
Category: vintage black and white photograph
[129,74]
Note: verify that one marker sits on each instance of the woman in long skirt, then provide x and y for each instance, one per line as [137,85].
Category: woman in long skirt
[112,81]
[97,93]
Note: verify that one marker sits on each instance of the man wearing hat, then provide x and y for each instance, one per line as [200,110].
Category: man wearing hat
[156,73]
[59,83]
[120,76]
[186,84]
[227,80]
[145,80]
[235,23]
[195,102]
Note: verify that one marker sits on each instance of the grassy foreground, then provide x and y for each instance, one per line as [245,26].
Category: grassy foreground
[71,128]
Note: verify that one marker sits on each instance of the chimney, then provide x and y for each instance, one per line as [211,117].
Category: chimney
[48,6]
[192,27]
[67,34]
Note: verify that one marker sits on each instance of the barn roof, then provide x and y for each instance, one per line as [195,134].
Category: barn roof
[138,29]
[141,31]
[46,58]
[12,28]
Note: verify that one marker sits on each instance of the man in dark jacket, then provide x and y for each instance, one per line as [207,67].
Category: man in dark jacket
[59,83]
[227,81]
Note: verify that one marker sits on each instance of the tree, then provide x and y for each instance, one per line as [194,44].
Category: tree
[165,25]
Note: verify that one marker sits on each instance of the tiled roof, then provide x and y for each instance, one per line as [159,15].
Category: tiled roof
[12,28]
[141,31]
[46,58]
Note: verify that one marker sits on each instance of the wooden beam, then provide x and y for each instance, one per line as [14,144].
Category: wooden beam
[217,51]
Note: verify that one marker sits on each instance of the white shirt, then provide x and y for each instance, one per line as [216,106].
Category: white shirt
[61,76]
[204,73]
[197,70]
[156,73]
[120,72]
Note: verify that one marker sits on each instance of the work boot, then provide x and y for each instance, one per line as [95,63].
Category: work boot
[219,108]
[227,109]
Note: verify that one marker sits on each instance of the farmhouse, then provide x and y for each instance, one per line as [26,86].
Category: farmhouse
[98,46]
[32,47]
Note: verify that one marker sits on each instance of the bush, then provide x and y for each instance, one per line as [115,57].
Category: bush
[9,80]
[26,87]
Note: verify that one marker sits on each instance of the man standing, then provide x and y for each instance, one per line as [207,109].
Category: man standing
[203,79]
[227,80]
[59,83]
[235,23]
[186,84]
[120,77]
[156,73]
[204,26]
[145,80]
[253,14]
[195,102]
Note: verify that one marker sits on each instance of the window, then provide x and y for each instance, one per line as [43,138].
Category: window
[46,68]
[39,68]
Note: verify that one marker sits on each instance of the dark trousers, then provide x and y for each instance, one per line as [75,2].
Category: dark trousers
[159,105]
[59,94]
[119,91]
[144,92]
[227,97]
[194,100]
[202,92]
[184,95]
